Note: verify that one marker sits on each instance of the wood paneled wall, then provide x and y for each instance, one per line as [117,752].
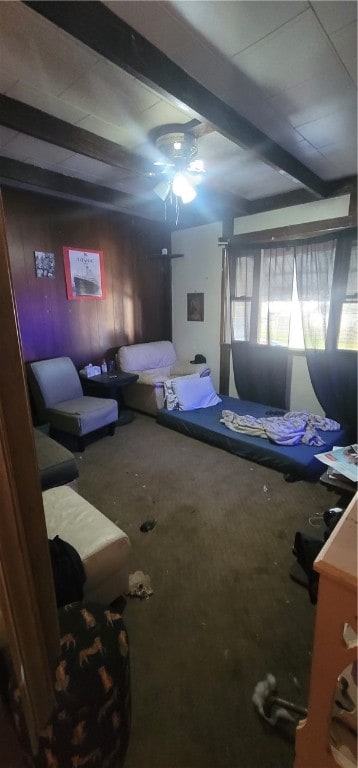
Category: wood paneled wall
[137,306]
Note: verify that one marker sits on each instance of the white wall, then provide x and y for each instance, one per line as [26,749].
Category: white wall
[200,270]
[296,214]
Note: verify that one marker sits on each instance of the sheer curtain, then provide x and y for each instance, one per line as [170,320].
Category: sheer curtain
[327,289]
[261,292]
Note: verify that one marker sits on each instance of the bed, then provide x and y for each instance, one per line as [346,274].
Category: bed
[297,462]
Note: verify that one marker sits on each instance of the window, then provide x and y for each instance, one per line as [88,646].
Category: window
[297,295]
[347,335]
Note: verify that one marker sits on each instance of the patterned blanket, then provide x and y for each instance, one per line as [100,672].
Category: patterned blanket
[292,428]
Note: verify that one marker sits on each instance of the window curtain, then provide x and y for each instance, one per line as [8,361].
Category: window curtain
[261,290]
[327,286]
[262,374]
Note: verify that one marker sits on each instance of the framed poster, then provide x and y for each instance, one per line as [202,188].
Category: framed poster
[195,306]
[84,273]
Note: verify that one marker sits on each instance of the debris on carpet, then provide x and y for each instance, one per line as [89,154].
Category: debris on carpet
[139,585]
[148,525]
[271,707]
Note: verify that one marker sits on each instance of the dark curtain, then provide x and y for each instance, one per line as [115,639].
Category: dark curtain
[327,290]
[262,373]
[334,380]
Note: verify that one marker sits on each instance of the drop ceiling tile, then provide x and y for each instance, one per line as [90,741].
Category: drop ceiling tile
[254,179]
[36,51]
[101,172]
[197,51]
[135,186]
[51,104]
[101,128]
[342,160]
[39,151]
[317,161]
[335,15]
[134,134]
[315,98]
[159,24]
[281,60]
[164,112]
[6,135]
[345,42]
[174,36]
[213,145]
[110,94]
[337,128]
[7,80]
[245,23]
[229,26]
[72,173]
[7,151]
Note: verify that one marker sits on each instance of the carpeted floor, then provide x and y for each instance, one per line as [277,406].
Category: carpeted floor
[224,611]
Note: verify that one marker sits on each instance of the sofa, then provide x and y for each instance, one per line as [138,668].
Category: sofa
[154,362]
[56,464]
[103,547]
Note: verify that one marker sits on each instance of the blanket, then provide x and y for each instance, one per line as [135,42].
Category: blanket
[292,428]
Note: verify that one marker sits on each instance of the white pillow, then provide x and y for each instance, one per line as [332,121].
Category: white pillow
[193,392]
[170,398]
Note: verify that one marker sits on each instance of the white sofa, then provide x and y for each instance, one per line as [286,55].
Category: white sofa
[102,546]
[153,362]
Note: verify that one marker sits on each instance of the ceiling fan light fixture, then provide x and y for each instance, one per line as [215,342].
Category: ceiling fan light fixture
[178,147]
[162,189]
[183,189]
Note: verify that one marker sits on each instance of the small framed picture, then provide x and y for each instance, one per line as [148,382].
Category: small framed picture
[44,264]
[195,306]
[84,273]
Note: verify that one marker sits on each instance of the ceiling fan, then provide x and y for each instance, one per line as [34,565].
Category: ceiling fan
[176,164]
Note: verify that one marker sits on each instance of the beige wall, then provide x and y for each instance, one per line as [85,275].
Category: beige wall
[199,270]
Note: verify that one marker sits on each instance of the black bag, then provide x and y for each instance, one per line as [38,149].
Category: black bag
[306,548]
[68,572]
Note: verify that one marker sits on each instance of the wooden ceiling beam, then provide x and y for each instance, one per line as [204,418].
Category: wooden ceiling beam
[29,176]
[33,122]
[101,30]
[207,207]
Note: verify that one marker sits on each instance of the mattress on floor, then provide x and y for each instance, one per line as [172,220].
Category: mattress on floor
[297,461]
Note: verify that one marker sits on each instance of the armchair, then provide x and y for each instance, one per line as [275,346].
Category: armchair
[59,400]
[153,362]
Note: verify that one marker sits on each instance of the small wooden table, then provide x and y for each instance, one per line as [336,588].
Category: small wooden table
[111,385]
[339,484]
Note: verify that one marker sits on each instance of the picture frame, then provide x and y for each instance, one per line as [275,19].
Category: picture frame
[84,273]
[44,264]
[195,307]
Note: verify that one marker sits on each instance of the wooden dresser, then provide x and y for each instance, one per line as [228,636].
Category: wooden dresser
[336,608]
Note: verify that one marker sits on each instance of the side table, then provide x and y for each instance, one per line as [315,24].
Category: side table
[111,385]
[339,484]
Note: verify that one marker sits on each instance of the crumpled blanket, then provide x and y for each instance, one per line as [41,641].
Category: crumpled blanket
[292,428]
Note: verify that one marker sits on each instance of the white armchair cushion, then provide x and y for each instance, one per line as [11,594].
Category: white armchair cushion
[195,392]
[146,356]
[184,368]
[155,377]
